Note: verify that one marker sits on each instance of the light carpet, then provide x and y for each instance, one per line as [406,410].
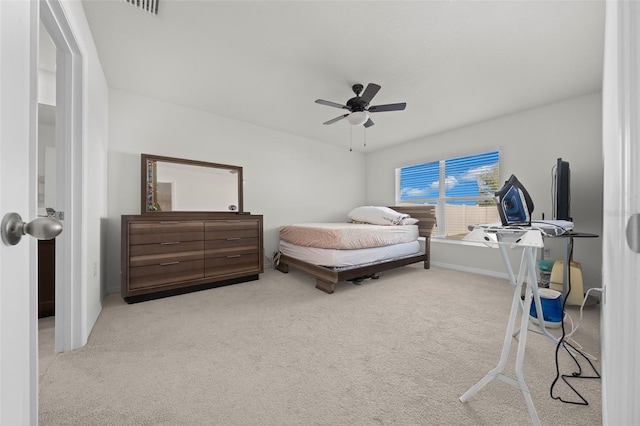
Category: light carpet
[399,350]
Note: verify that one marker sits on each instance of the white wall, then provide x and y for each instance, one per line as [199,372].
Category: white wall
[95,136]
[49,178]
[46,140]
[530,143]
[287,179]
[46,87]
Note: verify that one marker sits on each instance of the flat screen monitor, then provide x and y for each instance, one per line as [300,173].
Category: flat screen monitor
[562,191]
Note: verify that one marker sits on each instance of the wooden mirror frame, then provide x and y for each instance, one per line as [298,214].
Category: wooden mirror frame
[145,158]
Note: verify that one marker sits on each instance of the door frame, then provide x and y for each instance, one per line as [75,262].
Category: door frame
[70,317]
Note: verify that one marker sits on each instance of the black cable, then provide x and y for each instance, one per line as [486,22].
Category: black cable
[563,343]
[576,375]
[564,302]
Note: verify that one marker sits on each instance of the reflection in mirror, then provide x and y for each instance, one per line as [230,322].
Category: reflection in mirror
[174,185]
[46,158]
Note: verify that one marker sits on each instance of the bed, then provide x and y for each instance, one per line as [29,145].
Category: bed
[331,263]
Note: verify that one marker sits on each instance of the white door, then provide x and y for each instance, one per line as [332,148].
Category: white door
[621,227]
[18,286]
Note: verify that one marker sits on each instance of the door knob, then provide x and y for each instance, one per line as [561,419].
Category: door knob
[42,228]
[633,233]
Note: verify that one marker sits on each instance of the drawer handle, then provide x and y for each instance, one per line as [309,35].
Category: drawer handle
[169,263]
[235,255]
[169,223]
[234,238]
[170,242]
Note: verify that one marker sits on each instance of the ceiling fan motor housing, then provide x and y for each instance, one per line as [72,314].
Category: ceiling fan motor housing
[356,104]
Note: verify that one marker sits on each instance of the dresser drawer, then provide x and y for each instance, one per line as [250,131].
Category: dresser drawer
[232,264]
[231,230]
[164,248]
[233,243]
[166,273]
[212,251]
[155,254]
[165,232]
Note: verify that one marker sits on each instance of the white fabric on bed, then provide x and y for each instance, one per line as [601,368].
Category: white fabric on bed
[334,258]
[377,215]
[346,235]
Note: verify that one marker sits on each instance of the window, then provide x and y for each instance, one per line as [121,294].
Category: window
[462,189]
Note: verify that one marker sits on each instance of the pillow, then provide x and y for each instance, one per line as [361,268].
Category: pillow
[409,221]
[377,215]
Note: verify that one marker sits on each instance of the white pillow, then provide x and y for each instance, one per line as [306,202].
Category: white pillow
[409,221]
[377,215]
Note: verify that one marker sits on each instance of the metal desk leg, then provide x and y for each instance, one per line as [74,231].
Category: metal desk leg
[568,244]
[507,263]
[533,280]
[497,372]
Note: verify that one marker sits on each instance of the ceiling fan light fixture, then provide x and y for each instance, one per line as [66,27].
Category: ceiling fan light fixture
[358,107]
[358,118]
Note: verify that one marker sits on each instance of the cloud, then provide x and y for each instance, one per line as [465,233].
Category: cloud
[472,174]
[450,182]
[417,192]
[432,190]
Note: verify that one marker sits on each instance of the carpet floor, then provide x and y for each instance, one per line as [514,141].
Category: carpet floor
[399,350]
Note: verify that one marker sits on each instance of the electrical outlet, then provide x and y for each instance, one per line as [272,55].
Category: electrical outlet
[547,252]
[95,269]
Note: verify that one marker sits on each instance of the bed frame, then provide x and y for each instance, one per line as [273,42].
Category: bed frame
[326,278]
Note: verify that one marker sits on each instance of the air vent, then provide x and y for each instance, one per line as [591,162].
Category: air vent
[150,6]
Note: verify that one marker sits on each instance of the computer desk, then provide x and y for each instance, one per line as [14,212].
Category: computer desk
[529,240]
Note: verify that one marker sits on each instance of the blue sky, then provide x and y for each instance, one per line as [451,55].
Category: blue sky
[422,181]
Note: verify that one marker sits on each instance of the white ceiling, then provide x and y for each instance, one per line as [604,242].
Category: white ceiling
[265,62]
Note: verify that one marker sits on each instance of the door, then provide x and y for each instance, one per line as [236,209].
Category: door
[621,223]
[18,287]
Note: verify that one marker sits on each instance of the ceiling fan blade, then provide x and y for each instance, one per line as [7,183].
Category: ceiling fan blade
[387,107]
[370,92]
[369,123]
[336,119]
[331,104]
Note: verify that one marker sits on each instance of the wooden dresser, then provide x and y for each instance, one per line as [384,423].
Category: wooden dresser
[170,253]
[46,278]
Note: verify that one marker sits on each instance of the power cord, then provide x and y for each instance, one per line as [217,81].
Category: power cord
[574,375]
[563,343]
[586,296]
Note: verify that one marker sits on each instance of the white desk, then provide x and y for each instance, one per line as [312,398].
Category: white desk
[549,229]
[529,241]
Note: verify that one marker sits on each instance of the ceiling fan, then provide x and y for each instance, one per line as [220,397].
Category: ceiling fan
[359,108]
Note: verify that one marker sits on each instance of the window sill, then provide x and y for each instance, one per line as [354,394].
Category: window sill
[441,240]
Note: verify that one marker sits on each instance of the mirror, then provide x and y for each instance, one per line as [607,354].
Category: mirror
[177,185]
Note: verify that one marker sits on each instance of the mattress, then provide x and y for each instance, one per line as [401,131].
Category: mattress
[346,258]
[347,236]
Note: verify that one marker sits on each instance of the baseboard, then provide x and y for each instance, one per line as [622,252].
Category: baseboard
[92,321]
[494,274]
